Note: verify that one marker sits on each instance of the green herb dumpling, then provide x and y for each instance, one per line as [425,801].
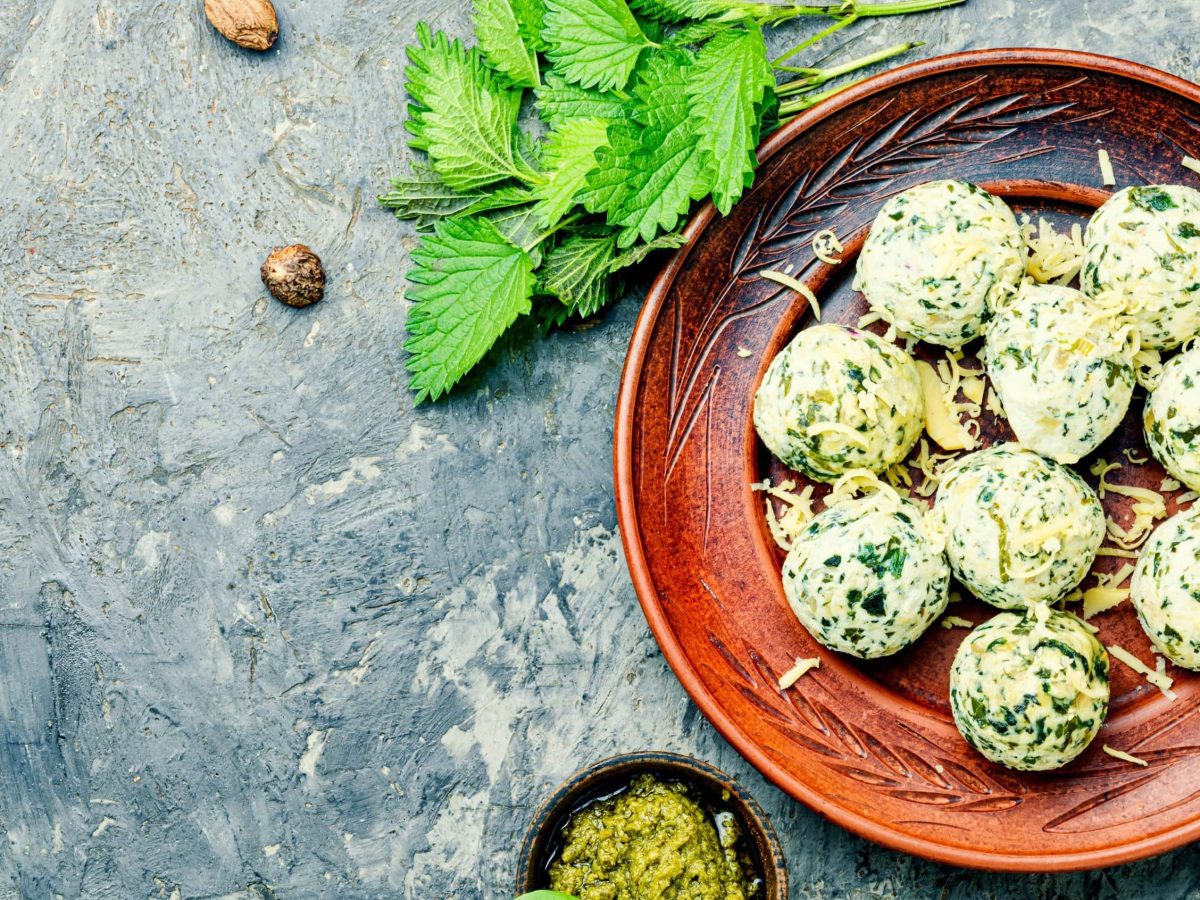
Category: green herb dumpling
[938,256]
[867,576]
[836,399]
[1063,369]
[1172,418]
[1165,589]
[1030,690]
[1143,247]
[1019,529]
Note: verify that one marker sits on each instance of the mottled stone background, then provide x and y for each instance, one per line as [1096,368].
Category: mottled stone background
[265,629]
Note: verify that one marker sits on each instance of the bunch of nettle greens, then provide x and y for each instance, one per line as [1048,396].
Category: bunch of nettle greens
[647,111]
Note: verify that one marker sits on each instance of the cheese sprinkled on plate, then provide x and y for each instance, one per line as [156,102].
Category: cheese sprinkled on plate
[1019,529]
[937,257]
[837,399]
[1030,690]
[1063,367]
[1143,247]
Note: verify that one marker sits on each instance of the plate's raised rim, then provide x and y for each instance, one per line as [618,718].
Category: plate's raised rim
[631,378]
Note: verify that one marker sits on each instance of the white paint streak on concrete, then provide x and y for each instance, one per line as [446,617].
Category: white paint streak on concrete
[224,513]
[150,547]
[362,469]
[103,826]
[312,334]
[312,753]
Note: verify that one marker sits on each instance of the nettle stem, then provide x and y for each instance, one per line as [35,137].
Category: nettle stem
[815,78]
[770,14]
[789,110]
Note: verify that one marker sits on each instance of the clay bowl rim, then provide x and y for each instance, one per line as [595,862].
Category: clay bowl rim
[625,493]
[753,820]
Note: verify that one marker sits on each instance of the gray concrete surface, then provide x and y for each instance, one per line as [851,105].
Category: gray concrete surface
[265,629]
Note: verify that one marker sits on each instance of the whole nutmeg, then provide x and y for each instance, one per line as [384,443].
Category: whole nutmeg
[248,23]
[294,276]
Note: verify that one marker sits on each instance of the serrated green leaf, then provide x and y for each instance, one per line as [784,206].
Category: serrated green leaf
[470,284]
[594,43]
[652,168]
[499,36]
[569,156]
[726,89]
[641,251]
[559,100]
[577,272]
[503,197]
[672,11]
[423,198]
[460,115]
[530,16]
[521,227]
[697,32]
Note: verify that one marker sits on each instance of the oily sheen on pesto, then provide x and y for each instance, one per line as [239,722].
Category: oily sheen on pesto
[1143,247]
[1020,529]
[939,255]
[1171,419]
[1063,367]
[836,399]
[867,576]
[1165,589]
[1029,690]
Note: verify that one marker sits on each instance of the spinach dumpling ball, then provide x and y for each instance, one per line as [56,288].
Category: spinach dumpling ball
[1143,246]
[836,399]
[867,576]
[939,255]
[1063,370]
[1165,589]
[1172,418]
[1019,529]
[1030,690]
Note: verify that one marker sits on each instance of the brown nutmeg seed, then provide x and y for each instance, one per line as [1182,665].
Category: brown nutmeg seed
[294,276]
[248,23]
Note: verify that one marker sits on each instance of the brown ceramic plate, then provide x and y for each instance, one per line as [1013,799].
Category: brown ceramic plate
[872,745]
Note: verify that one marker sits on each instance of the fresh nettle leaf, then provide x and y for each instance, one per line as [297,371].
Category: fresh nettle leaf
[530,16]
[460,115]
[632,257]
[569,157]
[653,168]
[559,100]
[672,11]
[501,39]
[579,270]
[423,198]
[727,89]
[470,284]
[697,32]
[594,43]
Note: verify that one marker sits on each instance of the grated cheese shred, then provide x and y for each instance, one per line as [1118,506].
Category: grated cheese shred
[1159,678]
[798,671]
[1107,175]
[796,285]
[1192,163]
[1147,508]
[825,244]
[1125,757]
[956,622]
[1052,257]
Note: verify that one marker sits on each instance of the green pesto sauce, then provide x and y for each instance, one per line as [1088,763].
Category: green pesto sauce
[651,842]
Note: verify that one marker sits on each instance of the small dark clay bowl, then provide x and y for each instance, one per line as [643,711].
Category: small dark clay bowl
[608,775]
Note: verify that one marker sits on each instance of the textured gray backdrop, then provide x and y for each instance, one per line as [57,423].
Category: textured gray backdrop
[265,629]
